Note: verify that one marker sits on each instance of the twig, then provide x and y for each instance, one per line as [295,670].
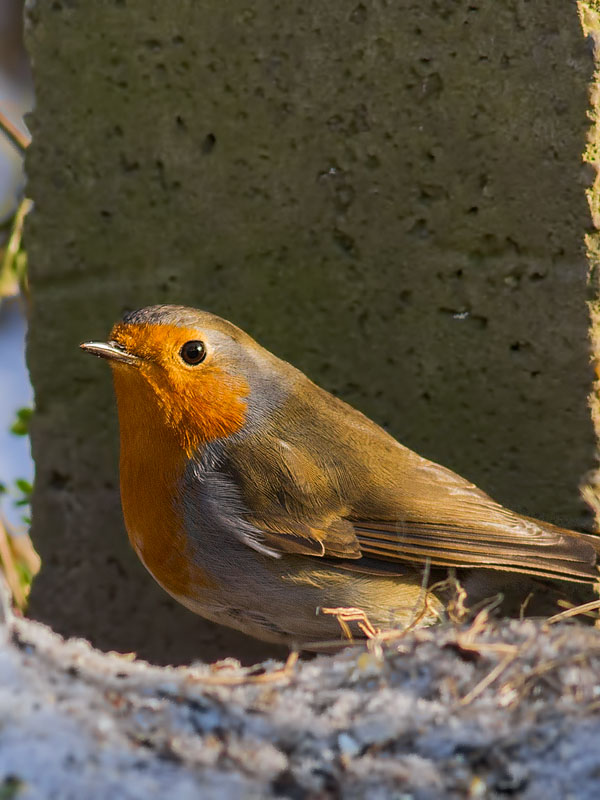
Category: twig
[489,679]
[421,605]
[16,234]
[284,672]
[11,270]
[524,605]
[455,608]
[10,571]
[522,684]
[17,137]
[466,639]
[573,612]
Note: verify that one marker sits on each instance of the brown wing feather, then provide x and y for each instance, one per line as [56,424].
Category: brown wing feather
[332,483]
[448,521]
[335,538]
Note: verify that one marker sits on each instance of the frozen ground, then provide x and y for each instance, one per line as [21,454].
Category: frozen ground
[494,712]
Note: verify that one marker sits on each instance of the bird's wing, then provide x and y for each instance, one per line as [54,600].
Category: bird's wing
[448,521]
[423,514]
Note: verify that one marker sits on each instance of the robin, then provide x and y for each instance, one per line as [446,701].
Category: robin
[259,500]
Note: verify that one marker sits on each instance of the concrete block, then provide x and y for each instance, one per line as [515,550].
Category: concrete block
[391,196]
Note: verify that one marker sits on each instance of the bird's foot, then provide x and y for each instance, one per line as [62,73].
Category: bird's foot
[346,615]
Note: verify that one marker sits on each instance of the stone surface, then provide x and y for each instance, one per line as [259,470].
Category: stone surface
[480,711]
[389,195]
[590,19]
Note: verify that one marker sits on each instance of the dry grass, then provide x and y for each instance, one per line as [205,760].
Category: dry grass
[19,562]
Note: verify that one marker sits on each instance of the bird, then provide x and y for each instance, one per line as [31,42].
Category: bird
[262,502]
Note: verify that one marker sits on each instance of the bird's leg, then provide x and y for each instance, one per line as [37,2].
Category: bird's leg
[350,614]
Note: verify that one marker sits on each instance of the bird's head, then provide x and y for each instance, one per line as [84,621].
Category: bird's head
[187,369]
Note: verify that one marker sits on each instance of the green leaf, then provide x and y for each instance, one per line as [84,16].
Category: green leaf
[10,787]
[24,486]
[20,426]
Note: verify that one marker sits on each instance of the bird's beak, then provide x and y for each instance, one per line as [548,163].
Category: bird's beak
[109,350]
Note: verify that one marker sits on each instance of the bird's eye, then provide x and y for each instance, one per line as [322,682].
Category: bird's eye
[193,352]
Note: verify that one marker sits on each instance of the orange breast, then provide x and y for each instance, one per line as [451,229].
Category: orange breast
[151,465]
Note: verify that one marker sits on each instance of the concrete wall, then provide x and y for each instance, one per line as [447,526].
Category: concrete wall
[389,195]
[590,19]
